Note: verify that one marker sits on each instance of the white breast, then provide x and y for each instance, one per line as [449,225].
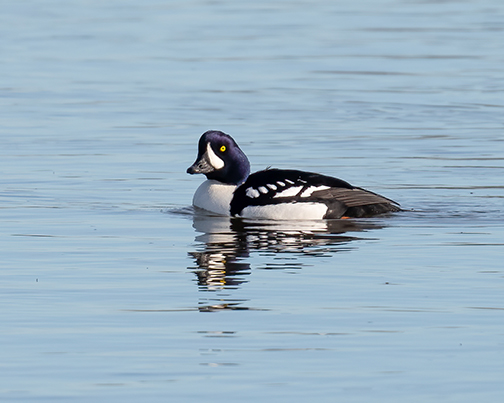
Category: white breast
[214,196]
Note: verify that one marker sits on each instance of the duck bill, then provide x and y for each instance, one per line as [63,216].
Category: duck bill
[201,166]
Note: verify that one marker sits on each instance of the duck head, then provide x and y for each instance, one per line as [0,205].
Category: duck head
[220,158]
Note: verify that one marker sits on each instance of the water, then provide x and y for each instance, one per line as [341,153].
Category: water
[112,289]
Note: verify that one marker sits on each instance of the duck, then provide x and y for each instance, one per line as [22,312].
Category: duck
[274,194]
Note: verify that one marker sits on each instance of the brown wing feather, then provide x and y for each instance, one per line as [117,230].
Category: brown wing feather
[352,197]
[357,202]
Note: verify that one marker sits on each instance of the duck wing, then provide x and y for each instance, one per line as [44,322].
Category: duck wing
[277,186]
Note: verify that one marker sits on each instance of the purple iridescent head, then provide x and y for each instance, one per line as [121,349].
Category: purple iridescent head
[220,158]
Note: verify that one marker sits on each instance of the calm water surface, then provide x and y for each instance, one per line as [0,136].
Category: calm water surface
[113,289]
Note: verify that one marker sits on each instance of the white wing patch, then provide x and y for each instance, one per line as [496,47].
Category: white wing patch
[252,193]
[290,192]
[308,191]
[215,161]
[293,191]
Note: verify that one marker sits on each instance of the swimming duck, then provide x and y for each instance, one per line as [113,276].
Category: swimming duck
[278,194]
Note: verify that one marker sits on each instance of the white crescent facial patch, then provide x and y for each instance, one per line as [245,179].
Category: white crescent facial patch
[215,161]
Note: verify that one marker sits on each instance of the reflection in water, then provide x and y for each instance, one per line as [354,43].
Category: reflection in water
[222,261]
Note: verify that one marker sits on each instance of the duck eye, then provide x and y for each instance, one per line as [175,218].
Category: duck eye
[222,149]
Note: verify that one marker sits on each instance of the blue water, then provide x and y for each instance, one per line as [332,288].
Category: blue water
[113,289]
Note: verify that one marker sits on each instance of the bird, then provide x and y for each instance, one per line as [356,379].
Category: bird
[274,194]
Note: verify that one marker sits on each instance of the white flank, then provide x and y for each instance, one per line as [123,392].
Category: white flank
[252,193]
[214,196]
[262,189]
[286,211]
[308,192]
[289,192]
[215,161]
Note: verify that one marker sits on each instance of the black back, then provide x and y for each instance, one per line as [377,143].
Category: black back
[340,197]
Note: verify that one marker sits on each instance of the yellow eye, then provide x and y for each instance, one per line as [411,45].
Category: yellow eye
[222,149]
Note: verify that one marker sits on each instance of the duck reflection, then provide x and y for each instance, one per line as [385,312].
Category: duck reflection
[222,262]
